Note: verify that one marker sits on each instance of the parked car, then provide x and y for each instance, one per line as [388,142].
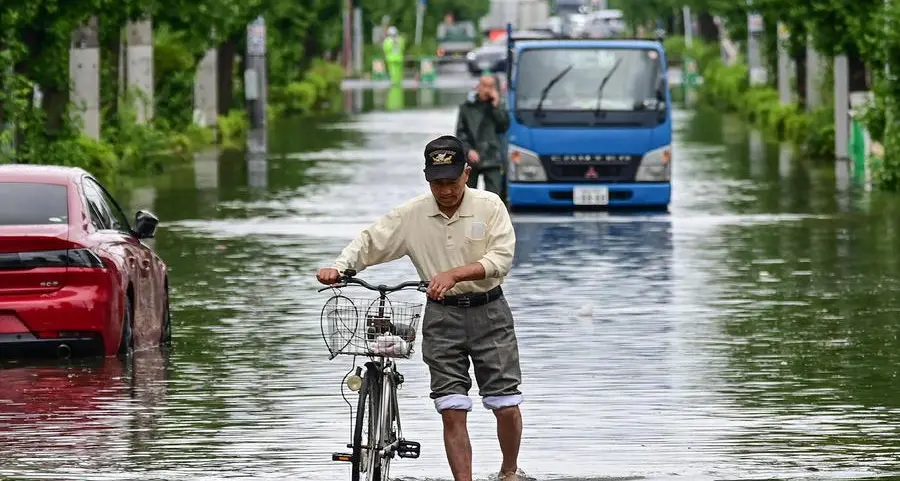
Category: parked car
[75,277]
[492,55]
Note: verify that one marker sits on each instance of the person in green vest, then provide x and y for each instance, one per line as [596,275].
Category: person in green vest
[393,47]
[481,124]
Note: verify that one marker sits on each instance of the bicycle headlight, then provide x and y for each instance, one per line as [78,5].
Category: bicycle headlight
[656,165]
[354,382]
[525,165]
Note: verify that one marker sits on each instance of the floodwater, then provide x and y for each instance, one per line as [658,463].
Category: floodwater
[750,333]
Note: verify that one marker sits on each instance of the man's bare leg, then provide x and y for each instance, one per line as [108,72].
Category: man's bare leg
[457,445]
[509,433]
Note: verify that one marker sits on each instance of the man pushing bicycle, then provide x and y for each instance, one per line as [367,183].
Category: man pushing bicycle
[462,241]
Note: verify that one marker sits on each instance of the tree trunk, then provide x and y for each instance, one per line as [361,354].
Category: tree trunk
[859,80]
[225,83]
[6,89]
[55,90]
[800,63]
[707,29]
[110,51]
[311,49]
[19,134]
[54,102]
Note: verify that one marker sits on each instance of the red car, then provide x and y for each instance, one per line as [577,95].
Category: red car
[75,278]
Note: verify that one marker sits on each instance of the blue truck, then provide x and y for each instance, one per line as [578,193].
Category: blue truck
[590,124]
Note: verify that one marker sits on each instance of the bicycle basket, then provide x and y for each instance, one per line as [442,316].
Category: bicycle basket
[369,328]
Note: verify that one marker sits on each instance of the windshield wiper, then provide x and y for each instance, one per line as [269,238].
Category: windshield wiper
[603,85]
[550,85]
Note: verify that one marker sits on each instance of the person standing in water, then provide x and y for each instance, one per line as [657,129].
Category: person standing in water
[481,123]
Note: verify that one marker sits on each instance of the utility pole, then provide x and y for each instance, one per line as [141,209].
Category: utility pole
[420,20]
[784,65]
[841,106]
[754,53]
[348,39]
[84,73]
[358,40]
[140,67]
[256,83]
[891,102]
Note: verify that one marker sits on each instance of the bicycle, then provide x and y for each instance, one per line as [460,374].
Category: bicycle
[389,332]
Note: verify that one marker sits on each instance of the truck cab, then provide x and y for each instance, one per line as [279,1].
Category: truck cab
[590,124]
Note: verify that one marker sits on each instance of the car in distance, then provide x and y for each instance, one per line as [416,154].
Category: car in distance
[491,56]
[454,41]
[75,277]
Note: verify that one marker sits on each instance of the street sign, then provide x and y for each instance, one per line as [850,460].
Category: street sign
[256,37]
[754,23]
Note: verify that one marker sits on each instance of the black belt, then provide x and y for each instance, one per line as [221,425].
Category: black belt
[473,299]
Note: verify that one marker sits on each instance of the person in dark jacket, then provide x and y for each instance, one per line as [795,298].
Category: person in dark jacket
[481,123]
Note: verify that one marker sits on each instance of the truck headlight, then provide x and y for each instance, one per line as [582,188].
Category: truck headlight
[525,165]
[656,166]
[471,56]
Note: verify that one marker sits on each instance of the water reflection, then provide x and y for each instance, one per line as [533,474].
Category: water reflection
[629,242]
[757,154]
[808,310]
[785,158]
[427,97]
[352,101]
[257,170]
[843,185]
[206,170]
[758,178]
[395,98]
[83,418]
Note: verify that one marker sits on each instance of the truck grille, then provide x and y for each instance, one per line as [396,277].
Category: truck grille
[591,168]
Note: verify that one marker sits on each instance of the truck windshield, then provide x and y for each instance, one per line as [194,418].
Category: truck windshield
[631,84]
[455,33]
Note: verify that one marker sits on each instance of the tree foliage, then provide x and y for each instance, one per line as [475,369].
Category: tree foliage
[864,30]
[836,26]
[36,36]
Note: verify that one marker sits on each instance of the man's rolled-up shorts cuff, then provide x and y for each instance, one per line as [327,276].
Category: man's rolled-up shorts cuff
[499,402]
[453,401]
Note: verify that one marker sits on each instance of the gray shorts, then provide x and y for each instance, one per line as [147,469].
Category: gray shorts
[451,335]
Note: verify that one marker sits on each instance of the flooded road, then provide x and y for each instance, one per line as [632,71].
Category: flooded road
[751,333]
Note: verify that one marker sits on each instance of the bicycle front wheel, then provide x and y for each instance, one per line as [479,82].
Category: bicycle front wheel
[387,426]
[365,427]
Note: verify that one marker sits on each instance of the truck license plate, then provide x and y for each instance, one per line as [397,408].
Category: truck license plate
[590,195]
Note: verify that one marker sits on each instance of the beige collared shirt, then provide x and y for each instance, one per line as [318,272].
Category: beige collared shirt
[480,231]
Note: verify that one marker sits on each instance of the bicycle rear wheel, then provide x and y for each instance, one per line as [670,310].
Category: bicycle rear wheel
[364,429]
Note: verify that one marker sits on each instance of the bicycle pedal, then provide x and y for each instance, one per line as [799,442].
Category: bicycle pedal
[344,457]
[409,449]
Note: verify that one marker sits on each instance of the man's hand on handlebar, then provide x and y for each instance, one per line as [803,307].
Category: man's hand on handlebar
[332,277]
[328,276]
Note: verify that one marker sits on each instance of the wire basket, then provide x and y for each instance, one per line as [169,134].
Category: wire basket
[379,327]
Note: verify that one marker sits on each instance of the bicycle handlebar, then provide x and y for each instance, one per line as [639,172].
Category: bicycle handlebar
[348,278]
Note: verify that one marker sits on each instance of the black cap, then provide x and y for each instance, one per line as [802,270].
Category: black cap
[445,158]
